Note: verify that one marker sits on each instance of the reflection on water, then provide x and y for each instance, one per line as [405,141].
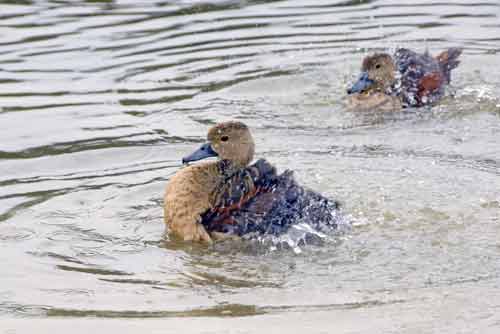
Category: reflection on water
[100,99]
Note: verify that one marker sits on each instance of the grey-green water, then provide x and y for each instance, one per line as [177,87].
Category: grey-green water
[99,100]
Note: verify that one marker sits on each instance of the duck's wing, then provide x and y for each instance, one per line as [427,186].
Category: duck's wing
[236,191]
[274,209]
[422,78]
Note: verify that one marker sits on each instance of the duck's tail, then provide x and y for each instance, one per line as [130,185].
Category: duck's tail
[448,60]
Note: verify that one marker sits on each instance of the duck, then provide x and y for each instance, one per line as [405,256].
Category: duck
[408,78]
[231,196]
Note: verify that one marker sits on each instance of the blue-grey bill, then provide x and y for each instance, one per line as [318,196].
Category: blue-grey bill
[361,85]
[205,151]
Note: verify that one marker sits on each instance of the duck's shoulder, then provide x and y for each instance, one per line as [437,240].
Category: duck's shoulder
[239,186]
[242,190]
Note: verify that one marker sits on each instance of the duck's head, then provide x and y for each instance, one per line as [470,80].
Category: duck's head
[377,74]
[230,141]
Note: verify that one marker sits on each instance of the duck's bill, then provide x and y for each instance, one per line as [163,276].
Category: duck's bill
[363,84]
[205,151]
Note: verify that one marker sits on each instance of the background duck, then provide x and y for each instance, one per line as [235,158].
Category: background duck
[231,197]
[415,79]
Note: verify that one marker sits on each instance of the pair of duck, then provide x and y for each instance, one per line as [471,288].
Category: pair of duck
[232,197]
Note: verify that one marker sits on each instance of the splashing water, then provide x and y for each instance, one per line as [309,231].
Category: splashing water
[304,233]
[99,100]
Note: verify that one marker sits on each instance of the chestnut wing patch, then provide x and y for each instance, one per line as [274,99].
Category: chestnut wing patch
[429,83]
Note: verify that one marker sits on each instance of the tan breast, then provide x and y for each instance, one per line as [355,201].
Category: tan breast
[187,197]
[373,102]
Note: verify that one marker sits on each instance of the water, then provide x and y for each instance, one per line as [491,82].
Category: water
[99,100]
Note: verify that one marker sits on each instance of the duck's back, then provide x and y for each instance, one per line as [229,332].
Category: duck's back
[280,203]
[423,77]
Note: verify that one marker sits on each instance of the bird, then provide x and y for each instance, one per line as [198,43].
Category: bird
[414,79]
[230,196]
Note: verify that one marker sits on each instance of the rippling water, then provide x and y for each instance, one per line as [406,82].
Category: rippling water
[99,100]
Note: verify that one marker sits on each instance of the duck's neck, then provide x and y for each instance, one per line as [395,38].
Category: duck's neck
[227,168]
[235,184]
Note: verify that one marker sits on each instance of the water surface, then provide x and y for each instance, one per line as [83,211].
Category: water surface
[99,100]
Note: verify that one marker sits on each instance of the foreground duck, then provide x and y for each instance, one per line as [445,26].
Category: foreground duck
[408,79]
[231,197]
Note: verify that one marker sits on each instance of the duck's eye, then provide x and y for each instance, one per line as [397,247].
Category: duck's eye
[224,138]
[377,66]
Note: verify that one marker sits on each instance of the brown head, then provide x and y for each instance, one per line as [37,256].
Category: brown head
[231,141]
[378,74]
